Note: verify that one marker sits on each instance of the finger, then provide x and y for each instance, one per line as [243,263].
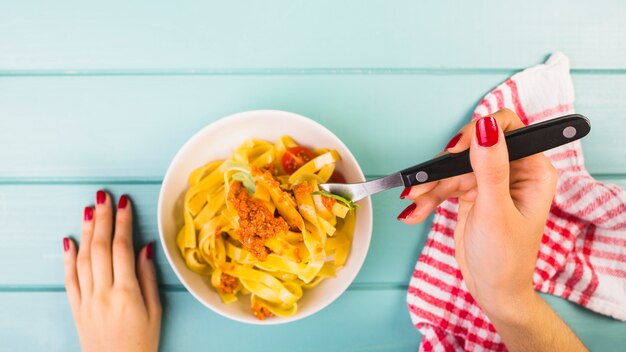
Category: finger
[83,259]
[446,188]
[507,120]
[427,202]
[425,195]
[535,170]
[148,281]
[460,141]
[101,244]
[71,275]
[123,255]
[459,229]
[532,167]
[466,202]
[416,191]
[420,209]
[490,162]
[539,175]
[453,141]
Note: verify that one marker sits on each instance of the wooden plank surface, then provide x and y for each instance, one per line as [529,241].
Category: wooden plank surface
[362,320]
[103,94]
[187,325]
[131,127]
[200,36]
[394,249]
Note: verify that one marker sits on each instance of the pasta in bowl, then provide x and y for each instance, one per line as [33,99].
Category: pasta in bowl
[246,228]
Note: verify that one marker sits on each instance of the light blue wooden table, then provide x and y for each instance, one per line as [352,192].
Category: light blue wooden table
[104,94]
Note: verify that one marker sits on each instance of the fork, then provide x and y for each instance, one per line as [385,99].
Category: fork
[521,143]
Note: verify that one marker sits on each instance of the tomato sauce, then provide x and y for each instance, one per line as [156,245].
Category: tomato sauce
[228,283]
[256,223]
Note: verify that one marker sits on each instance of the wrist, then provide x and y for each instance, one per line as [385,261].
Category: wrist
[511,309]
[528,323]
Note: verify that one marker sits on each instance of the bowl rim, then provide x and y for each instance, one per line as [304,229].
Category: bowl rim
[216,125]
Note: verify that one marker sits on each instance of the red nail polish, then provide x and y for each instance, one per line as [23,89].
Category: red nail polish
[486,131]
[88,214]
[406,212]
[66,244]
[123,202]
[453,141]
[149,253]
[405,192]
[101,197]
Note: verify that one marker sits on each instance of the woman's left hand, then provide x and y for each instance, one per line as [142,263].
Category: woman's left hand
[115,306]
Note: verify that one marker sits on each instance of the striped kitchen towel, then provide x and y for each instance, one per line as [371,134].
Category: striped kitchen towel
[582,256]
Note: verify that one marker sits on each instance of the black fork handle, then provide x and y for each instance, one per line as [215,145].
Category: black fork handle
[521,143]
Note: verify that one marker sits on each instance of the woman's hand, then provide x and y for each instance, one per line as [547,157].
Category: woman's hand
[114,301]
[503,209]
[502,212]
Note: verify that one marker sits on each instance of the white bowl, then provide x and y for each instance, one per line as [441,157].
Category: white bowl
[217,141]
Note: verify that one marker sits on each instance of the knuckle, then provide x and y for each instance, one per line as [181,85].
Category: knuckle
[150,277]
[121,246]
[99,247]
[551,174]
[508,119]
[82,261]
[507,112]
[125,289]
[84,273]
[101,298]
[506,115]
[69,261]
[123,219]
[69,280]
[87,231]
[551,170]
[104,209]
[496,173]
[544,166]
[104,213]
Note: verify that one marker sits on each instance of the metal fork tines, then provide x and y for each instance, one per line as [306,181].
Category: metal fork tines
[358,191]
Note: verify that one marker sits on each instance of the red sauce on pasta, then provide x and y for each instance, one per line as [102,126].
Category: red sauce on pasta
[256,223]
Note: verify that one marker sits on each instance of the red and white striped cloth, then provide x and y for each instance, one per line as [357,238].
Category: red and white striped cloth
[583,250]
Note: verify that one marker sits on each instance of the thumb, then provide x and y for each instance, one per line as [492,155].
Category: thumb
[490,160]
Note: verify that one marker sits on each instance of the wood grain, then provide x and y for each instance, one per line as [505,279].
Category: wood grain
[199,36]
[32,247]
[102,95]
[357,321]
[130,127]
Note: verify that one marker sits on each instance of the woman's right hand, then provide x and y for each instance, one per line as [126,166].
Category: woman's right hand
[502,212]
[503,209]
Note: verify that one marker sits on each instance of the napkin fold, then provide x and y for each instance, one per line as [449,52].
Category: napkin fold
[582,256]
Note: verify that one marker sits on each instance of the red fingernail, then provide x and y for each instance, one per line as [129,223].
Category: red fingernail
[101,197]
[406,212]
[405,192]
[122,203]
[487,131]
[453,141]
[149,253]
[88,214]
[66,244]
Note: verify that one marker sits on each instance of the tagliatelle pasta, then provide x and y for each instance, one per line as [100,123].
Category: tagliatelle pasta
[257,224]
